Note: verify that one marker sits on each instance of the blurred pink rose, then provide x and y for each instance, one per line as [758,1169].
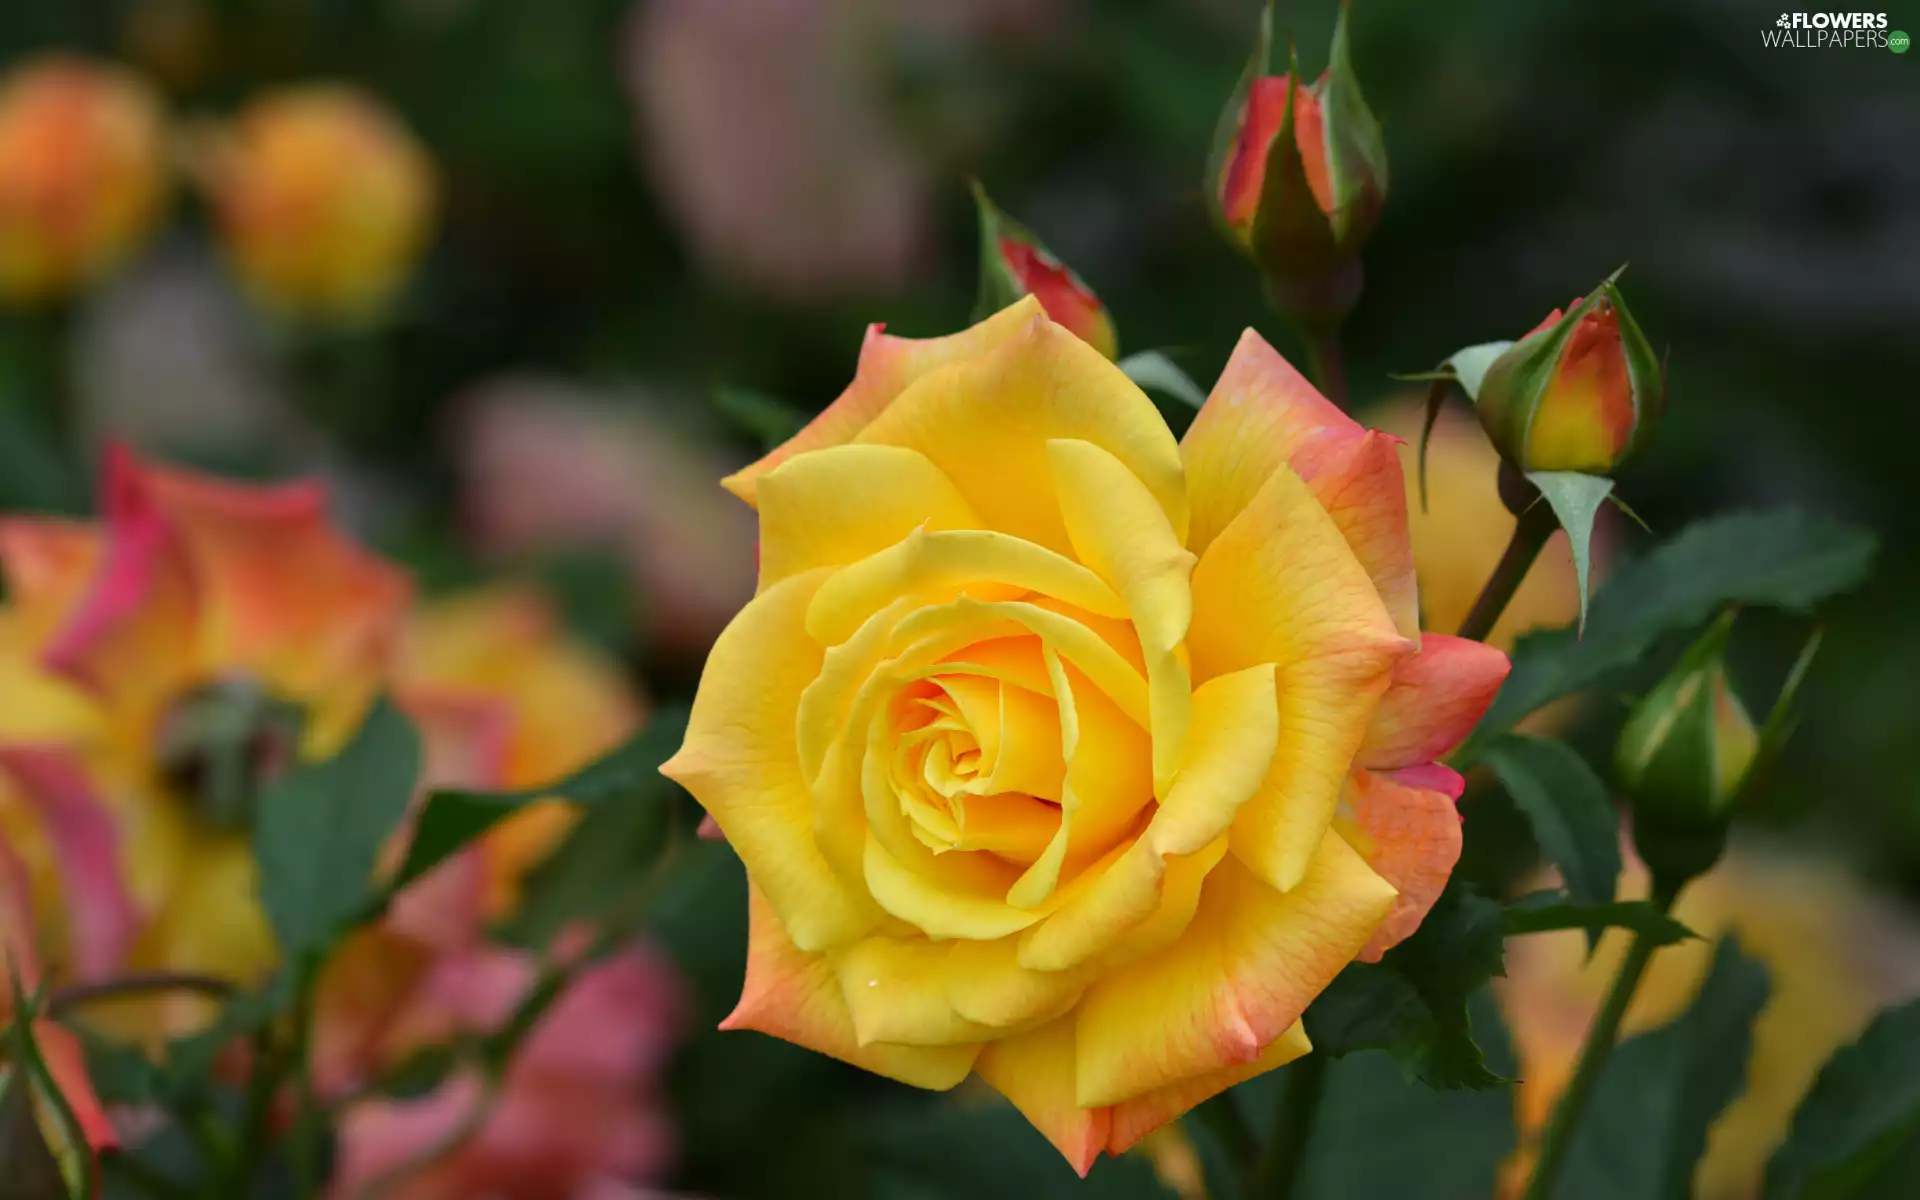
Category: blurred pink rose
[547,465]
[577,1115]
[766,126]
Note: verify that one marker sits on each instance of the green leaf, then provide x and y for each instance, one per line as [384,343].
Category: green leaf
[1660,1093]
[1154,370]
[451,819]
[1576,500]
[320,830]
[1379,1134]
[1861,1118]
[599,869]
[1570,810]
[1783,559]
[30,1103]
[1413,1003]
[768,419]
[1546,912]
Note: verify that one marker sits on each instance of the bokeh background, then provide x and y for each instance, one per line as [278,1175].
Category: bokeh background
[663,223]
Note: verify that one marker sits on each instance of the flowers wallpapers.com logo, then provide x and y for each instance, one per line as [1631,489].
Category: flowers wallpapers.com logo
[1824,30]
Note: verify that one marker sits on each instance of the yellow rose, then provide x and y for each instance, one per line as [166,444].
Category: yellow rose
[324,200]
[82,174]
[1063,753]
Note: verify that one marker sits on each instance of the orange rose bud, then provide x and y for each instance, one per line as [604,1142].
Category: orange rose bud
[82,174]
[1298,177]
[324,199]
[1014,263]
[1581,392]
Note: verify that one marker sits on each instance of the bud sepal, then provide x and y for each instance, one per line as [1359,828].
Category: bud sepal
[1014,263]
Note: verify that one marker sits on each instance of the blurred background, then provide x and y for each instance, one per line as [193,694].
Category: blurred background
[628,237]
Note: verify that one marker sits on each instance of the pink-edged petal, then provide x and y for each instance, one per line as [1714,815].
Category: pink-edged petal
[1258,416]
[1433,701]
[1405,825]
[67,1064]
[1355,474]
[709,830]
[1136,1118]
[100,911]
[48,563]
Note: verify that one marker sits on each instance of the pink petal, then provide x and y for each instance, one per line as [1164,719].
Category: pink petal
[101,913]
[1435,699]
[1406,827]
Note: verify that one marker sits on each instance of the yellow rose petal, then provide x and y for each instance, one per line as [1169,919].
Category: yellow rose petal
[838,505]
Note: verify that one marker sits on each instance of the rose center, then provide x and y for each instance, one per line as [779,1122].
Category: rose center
[221,745]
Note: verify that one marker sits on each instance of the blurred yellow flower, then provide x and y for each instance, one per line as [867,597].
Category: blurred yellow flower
[82,174]
[1834,956]
[324,200]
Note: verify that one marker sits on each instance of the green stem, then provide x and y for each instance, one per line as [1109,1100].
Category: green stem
[1530,533]
[1593,1059]
[1277,1173]
[1327,363]
[301,1154]
[263,1082]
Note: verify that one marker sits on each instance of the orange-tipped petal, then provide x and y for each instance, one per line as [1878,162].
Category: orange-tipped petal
[1355,474]
[67,1064]
[48,564]
[1405,825]
[1035,1072]
[887,366]
[794,996]
[1435,699]
[1236,981]
[1259,415]
[1140,1116]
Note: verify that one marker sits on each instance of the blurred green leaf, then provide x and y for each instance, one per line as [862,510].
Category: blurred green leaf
[598,869]
[320,829]
[1413,1002]
[1569,808]
[1857,1133]
[986,1151]
[451,819]
[767,419]
[1660,1093]
[1545,912]
[1784,559]
[190,1058]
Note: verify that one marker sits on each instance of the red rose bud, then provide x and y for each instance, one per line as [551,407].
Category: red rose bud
[1690,756]
[1581,392]
[1299,175]
[1014,263]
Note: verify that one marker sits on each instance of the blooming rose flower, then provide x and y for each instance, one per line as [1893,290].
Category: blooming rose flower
[324,199]
[170,660]
[1063,753]
[1834,954]
[82,173]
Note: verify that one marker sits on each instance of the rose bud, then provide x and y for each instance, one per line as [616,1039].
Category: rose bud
[82,174]
[324,200]
[1690,756]
[1014,263]
[1298,177]
[1581,392]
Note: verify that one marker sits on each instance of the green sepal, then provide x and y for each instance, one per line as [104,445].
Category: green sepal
[998,287]
[1778,726]
[1154,371]
[1356,153]
[1226,131]
[1466,367]
[1576,499]
[1291,238]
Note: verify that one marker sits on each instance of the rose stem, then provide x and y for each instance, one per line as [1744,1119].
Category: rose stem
[1325,361]
[1530,532]
[1593,1059]
[1278,1171]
